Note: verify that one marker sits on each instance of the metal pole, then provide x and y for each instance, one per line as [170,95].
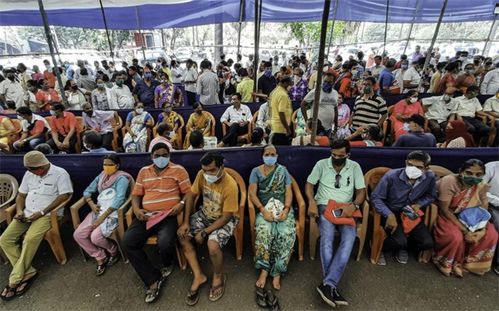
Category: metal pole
[332,27]
[435,35]
[386,26]
[140,32]
[111,50]
[418,7]
[51,49]
[258,11]
[322,46]
[493,28]
[241,18]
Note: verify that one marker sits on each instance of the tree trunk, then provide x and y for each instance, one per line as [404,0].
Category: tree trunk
[219,41]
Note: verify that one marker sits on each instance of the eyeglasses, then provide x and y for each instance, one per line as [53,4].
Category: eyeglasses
[337,181]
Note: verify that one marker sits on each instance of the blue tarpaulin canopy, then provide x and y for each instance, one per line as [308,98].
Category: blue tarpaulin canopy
[182,13]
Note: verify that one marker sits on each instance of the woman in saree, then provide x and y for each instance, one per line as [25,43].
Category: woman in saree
[166,94]
[137,121]
[199,120]
[403,110]
[270,191]
[456,247]
[92,235]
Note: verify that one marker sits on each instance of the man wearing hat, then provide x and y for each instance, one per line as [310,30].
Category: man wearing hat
[416,137]
[43,188]
[281,111]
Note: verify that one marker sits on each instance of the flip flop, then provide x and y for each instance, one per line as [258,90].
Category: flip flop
[261,297]
[192,297]
[11,290]
[272,301]
[152,294]
[220,288]
[27,284]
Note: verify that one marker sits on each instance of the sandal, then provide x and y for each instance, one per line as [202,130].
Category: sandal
[272,301]
[261,297]
[113,259]
[11,291]
[192,297]
[25,285]
[153,293]
[216,292]
[100,269]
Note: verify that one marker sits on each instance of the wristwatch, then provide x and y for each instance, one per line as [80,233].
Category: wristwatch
[182,202]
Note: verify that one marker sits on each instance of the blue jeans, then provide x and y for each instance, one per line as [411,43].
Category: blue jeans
[333,265]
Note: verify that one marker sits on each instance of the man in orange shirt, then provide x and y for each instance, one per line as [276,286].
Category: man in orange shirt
[63,125]
[160,193]
[46,96]
[48,73]
[214,222]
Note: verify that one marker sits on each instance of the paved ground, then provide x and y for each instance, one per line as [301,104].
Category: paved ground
[367,287]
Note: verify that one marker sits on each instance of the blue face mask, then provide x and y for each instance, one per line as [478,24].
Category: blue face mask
[268,73]
[270,160]
[161,162]
[148,76]
[327,87]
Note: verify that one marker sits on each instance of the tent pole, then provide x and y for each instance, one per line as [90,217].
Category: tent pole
[492,31]
[332,27]
[322,46]
[51,49]
[140,32]
[111,50]
[435,35]
[241,17]
[386,26]
[418,7]
[258,12]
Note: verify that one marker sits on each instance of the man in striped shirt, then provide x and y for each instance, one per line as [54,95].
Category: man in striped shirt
[369,109]
[160,194]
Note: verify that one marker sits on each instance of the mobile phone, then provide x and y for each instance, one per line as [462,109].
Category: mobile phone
[337,212]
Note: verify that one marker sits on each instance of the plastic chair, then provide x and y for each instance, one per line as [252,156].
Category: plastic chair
[299,219]
[440,171]
[314,232]
[8,193]
[53,236]
[211,133]
[149,133]
[119,232]
[116,131]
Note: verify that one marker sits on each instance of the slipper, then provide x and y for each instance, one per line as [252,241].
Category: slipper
[26,285]
[272,301]
[261,297]
[220,289]
[153,293]
[10,290]
[100,269]
[192,297]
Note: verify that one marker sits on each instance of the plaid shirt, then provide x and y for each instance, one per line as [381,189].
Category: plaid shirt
[298,91]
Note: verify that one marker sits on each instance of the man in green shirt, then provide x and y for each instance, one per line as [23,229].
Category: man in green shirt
[340,179]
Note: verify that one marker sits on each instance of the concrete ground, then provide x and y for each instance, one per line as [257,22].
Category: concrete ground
[367,287]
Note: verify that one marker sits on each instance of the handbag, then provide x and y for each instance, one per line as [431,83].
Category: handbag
[474,218]
[410,219]
[329,214]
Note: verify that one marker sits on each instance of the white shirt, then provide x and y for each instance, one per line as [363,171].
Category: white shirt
[233,115]
[467,107]
[42,191]
[263,120]
[376,70]
[99,121]
[13,91]
[176,75]
[191,75]
[120,97]
[327,102]
[399,76]
[412,75]
[34,117]
[207,88]
[490,83]
[492,178]
[438,109]
[491,104]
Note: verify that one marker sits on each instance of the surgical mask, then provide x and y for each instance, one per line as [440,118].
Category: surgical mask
[404,67]
[168,109]
[101,86]
[139,110]
[354,73]
[148,76]
[413,99]
[413,172]
[211,179]
[52,112]
[268,73]
[368,89]
[327,87]
[20,118]
[471,180]
[269,160]
[338,161]
[109,169]
[48,67]
[119,82]
[469,71]
[161,162]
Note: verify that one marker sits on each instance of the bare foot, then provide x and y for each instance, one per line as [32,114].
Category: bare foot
[262,279]
[198,282]
[276,282]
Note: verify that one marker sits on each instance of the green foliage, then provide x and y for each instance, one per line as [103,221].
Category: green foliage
[310,32]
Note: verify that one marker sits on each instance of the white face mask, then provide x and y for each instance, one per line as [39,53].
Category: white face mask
[413,100]
[413,172]
[211,179]
[139,110]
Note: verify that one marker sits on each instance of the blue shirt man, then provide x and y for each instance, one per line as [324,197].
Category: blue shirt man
[144,90]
